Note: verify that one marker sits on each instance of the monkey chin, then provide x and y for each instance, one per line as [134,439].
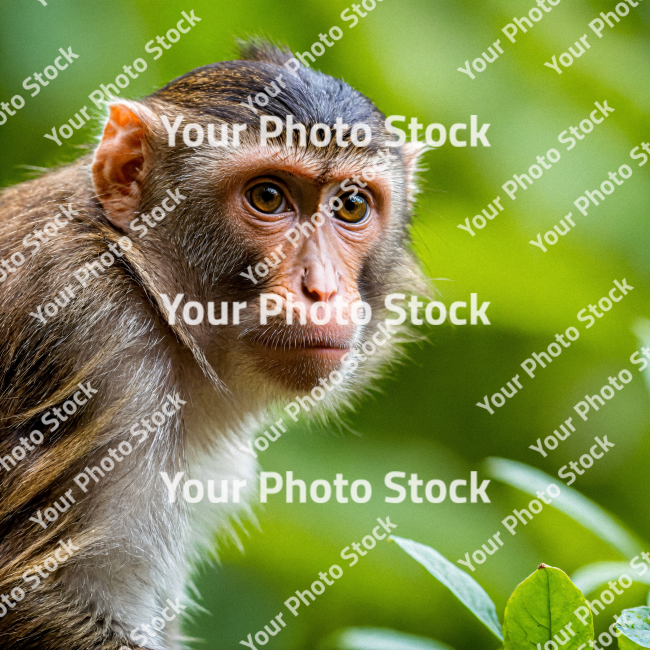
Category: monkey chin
[300,359]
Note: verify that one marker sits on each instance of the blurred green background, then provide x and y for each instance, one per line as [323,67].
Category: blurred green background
[404,56]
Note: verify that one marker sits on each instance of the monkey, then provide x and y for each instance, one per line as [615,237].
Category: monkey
[92,547]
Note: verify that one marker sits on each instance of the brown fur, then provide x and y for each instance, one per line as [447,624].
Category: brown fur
[115,335]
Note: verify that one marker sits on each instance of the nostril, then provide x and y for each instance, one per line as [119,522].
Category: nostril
[311,294]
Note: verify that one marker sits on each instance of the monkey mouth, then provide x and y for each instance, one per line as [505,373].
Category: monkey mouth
[303,339]
[299,356]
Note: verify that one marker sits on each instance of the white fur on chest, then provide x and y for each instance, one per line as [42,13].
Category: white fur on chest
[149,543]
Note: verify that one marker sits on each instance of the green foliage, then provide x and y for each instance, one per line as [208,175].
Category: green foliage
[379,639]
[541,608]
[635,627]
[464,587]
[625,644]
[583,510]
[587,578]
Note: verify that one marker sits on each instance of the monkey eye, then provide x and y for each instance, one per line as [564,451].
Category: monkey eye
[354,210]
[267,198]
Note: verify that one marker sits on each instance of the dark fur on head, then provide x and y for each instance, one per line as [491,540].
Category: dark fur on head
[311,97]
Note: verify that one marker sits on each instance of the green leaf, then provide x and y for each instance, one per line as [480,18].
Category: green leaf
[635,627]
[464,587]
[625,644]
[587,513]
[373,638]
[587,578]
[541,607]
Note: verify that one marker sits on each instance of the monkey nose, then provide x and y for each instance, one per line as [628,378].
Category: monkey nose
[319,282]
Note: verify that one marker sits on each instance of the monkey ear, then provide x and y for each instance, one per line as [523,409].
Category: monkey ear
[412,153]
[122,161]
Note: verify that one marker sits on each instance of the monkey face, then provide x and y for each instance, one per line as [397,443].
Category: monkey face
[310,230]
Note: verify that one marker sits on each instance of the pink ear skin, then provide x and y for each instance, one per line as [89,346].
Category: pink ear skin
[121,163]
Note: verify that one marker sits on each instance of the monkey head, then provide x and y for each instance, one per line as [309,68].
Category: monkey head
[300,231]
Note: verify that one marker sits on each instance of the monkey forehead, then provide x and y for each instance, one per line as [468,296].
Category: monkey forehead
[321,168]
